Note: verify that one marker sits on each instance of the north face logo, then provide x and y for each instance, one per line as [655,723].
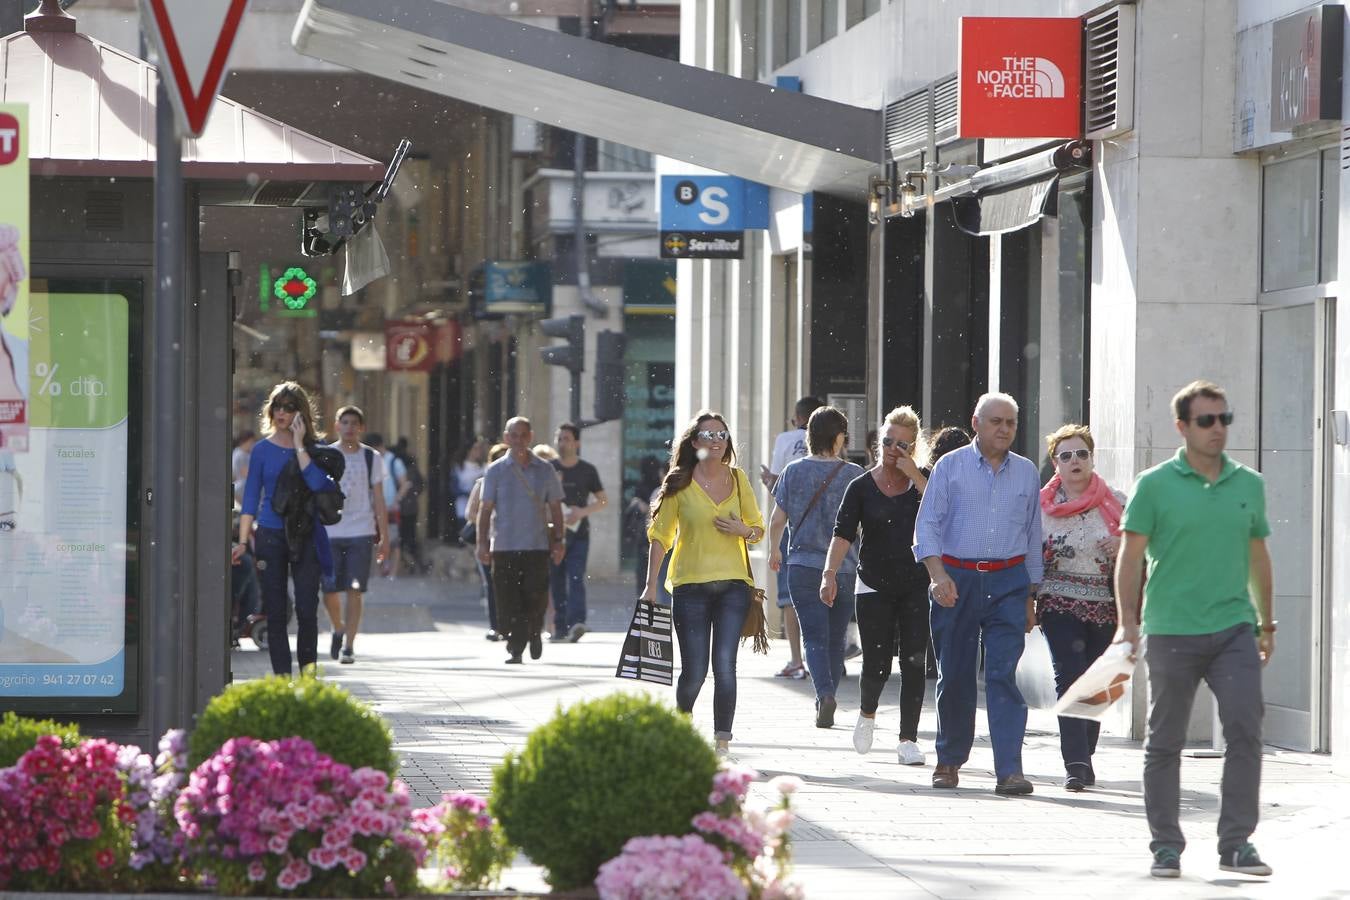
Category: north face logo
[1023,77]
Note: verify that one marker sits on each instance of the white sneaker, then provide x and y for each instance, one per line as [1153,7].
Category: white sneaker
[862,733]
[909,754]
[722,748]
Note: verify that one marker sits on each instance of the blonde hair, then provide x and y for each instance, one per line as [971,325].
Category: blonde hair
[906,417]
[1064,433]
[544,451]
[497,452]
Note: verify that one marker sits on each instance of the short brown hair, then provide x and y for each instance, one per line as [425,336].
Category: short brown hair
[351,411]
[1181,403]
[824,428]
[1064,432]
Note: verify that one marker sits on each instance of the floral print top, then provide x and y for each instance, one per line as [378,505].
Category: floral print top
[1080,558]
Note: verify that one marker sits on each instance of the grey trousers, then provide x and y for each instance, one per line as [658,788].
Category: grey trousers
[1229,663]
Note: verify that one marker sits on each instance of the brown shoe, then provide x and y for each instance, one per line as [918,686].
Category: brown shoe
[1013,786]
[945,776]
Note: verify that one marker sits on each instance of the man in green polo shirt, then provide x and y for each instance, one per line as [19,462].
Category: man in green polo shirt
[1199,520]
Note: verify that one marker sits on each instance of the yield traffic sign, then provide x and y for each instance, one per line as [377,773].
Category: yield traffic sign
[194,39]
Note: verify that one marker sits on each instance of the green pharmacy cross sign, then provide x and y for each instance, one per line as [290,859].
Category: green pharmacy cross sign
[295,288]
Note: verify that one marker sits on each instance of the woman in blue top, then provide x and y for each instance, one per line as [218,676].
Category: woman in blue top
[807,497]
[288,429]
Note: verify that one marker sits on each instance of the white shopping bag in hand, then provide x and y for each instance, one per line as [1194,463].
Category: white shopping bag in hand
[1100,686]
[1036,672]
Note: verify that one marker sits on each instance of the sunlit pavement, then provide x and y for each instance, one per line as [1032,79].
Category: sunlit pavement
[868,827]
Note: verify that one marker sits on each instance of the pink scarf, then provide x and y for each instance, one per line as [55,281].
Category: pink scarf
[1097,496]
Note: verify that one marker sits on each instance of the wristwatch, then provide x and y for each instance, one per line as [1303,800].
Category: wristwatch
[1269,627]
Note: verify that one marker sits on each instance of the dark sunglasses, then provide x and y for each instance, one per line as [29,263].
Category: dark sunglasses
[896,442]
[285,406]
[712,435]
[1065,455]
[1208,419]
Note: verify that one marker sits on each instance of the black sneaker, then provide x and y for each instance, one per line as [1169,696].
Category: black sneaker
[825,708]
[536,645]
[348,657]
[1166,863]
[492,635]
[1244,860]
[514,660]
[335,646]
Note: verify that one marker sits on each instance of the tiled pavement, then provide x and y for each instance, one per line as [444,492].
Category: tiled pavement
[868,827]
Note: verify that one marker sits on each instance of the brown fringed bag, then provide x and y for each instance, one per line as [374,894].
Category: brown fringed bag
[756,624]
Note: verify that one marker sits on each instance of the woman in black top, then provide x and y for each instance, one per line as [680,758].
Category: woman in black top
[892,591]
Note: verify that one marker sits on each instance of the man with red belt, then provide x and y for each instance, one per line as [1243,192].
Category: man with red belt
[979,534]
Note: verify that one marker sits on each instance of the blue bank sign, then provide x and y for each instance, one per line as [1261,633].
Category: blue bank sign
[705,216]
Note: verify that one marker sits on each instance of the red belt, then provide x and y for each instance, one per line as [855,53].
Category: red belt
[983,565]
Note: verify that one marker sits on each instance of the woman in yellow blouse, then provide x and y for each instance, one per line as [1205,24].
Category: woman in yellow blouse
[706,513]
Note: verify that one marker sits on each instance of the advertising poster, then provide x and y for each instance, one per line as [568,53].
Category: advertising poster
[13,295]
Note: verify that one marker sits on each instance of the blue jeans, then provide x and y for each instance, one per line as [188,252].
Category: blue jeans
[784,587]
[990,606]
[1074,645]
[567,580]
[274,564]
[708,619]
[824,628]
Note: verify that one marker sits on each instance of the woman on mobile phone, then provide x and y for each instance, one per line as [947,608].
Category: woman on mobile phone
[706,514]
[288,431]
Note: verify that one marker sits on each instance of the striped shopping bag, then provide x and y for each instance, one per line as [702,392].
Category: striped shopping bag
[648,651]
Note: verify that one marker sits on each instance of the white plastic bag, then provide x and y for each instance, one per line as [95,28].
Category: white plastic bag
[1036,672]
[1100,686]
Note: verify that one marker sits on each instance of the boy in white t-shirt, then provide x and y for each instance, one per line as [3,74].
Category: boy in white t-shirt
[364,527]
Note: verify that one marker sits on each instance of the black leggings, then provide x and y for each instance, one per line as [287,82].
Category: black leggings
[885,619]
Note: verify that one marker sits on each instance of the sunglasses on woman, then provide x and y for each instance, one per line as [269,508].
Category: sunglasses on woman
[1065,455]
[712,435]
[896,442]
[285,406]
[1208,419]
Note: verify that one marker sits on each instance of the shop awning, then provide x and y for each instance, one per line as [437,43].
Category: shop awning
[734,125]
[999,212]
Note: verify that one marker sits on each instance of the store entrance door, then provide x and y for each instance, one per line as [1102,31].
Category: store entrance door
[1295,368]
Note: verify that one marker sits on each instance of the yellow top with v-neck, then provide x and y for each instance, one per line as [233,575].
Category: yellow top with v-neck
[684,524]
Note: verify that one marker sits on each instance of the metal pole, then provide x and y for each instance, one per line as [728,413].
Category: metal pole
[166,431]
[576,398]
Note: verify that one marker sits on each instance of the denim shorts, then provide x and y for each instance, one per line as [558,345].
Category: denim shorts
[351,564]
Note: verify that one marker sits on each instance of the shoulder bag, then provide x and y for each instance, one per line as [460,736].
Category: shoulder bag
[756,626]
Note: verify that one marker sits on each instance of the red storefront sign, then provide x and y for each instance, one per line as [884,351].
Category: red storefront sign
[1020,78]
[409,346]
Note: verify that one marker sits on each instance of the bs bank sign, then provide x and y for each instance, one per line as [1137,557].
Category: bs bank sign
[705,216]
[1020,78]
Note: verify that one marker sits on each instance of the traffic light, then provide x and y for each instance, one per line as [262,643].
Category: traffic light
[572,355]
[609,375]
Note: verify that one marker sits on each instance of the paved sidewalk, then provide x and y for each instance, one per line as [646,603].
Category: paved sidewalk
[868,827]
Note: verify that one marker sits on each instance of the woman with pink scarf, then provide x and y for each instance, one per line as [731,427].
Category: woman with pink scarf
[1075,605]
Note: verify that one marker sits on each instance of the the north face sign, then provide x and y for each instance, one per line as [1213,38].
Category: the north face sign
[1020,78]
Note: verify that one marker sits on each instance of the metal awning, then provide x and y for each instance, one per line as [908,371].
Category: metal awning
[777,137]
[92,113]
[999,212]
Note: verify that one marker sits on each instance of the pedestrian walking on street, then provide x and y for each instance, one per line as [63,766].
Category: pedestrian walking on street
[362,531]
[789,445]
[395,486]
[583,496]
[518,542]
[1199,521]
[409,505]
[1075,606]
[979,534]
[243,446]
[807,496]
[284,547]
[705,516]
[892,588]
[469,536]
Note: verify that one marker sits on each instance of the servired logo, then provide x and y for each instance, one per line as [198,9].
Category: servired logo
[9,139]
[1020,78]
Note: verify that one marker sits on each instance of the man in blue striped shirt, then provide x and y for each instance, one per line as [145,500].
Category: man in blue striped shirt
[979,534]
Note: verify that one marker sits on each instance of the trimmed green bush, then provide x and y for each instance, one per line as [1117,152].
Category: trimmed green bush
[268,709]
[597,774]
[19,734]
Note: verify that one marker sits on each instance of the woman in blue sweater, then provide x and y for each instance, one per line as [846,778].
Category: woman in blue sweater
[288,428]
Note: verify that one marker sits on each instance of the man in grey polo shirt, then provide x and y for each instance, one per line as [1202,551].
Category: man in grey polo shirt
[522,511]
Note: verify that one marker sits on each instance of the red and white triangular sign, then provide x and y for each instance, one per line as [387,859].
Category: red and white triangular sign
[194,39]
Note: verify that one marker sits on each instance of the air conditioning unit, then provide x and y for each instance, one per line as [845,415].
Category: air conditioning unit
[1108,88]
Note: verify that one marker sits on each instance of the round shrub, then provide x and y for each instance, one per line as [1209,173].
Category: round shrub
[597,774]
[19,734]
[272,708]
